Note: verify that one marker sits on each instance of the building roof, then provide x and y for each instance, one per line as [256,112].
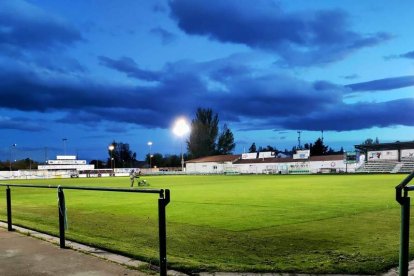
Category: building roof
[335,157]
[216,158]
[386,146]
[236,159]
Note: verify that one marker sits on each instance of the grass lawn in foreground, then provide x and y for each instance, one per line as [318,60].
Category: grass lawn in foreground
[279,223]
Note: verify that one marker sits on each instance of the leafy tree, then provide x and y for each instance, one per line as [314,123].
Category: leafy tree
[253,148]
[98,164]
[225,144]
[318,148]
[204,131]
[156,160]
[371,141]
[23,164]
[268,148]
[122,156]
[368,142]
[204,138]
[164,161]
[172,160]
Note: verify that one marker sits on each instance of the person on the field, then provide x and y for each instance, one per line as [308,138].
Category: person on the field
[132,176]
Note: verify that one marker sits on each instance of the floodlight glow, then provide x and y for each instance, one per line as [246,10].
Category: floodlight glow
[111,147]
[149,143]
[181,127]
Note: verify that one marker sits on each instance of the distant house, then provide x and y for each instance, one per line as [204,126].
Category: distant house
[66,163]
[292,165]
[269,164]
[216,164]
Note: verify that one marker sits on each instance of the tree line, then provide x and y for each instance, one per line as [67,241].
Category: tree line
[316,149]
[23,164]
[206,139]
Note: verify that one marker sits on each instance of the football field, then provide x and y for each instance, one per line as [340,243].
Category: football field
[254,223]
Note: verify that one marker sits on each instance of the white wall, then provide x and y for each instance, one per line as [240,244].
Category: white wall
[382,155]
[263,168]
[258,168]
[407,153]
[204,168]
[33,174]
[43,174]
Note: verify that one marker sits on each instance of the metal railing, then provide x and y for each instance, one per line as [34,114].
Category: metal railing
[403,199]
[163,200]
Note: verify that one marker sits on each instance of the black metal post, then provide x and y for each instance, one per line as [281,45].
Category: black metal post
[9,210]
[62,215]
[162,203]
[162,236]
[405,239]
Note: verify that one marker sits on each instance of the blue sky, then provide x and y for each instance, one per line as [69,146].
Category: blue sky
[96,71]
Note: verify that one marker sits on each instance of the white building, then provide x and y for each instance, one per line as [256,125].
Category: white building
[216,164]
[270,165]
[66,162]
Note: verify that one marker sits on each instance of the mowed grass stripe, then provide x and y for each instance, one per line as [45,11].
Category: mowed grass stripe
[309,224]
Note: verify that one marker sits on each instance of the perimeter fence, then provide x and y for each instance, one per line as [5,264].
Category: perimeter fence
[163,200]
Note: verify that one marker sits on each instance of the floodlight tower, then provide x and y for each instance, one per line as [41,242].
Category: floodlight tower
[149,157]
[111,149]
[64,145]
[11,155]
[299,147]
[180,129]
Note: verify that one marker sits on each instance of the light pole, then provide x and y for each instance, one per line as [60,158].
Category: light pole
[149,157]
[64,145]
[111,149]
[11,155]
[180,129]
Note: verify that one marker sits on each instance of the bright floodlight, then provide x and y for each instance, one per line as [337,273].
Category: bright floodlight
[111,147]
[149,143]
[181,127]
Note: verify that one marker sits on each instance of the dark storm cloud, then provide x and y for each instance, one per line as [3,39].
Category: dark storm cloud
[24,26]
[302,38]
[240,94]
[129,67]
[351,77]
[275,95]
[18,123]
[166,36]
[355,116]
[382,84]
[28,92]
[409,55]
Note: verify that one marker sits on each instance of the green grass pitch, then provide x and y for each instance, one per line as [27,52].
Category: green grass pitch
[280,223]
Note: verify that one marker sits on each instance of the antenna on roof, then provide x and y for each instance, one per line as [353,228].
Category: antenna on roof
[64,145]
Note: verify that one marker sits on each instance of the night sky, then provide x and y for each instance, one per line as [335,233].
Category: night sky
[96,71]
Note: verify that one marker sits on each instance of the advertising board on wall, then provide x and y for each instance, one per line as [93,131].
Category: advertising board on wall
[252,155]
[266,154]
[66,162]
[301,154]
[66,157]
[407,153]
[383,155]
[351,157]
